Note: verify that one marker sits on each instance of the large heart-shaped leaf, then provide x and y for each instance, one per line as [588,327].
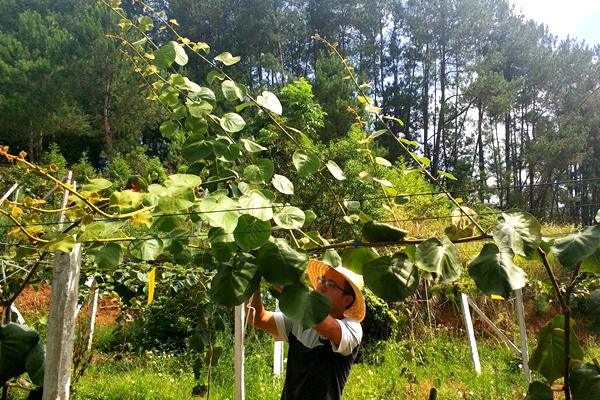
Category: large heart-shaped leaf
[575,248]
[233,284]
[126,200]
[146,249]
[199,109]
[256,204]
[108,256]
[355,259]
[218,210]
[269,101]
[290,217]
[439,257]
[183,180]
[584,380]
[519,231]
[391,278]
[309,308]
[195,149]
[495,273]
[251,233]
[592,263]
[232,122]
[282,184]
[280,264]
[335,170]
[380,232]
[549,356]
[306,163]
[227,59]
[233,91]
[539,391]
[251,146]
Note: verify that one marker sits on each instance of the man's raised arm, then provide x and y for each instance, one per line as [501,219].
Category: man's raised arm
[263,319]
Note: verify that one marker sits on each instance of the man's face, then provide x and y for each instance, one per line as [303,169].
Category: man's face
[334,289]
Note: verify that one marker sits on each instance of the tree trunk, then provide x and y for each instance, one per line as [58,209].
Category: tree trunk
[439,135]
[108,140]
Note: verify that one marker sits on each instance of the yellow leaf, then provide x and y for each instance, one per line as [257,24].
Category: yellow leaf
[140,219]
[16,211]
[496,297]
[151,283]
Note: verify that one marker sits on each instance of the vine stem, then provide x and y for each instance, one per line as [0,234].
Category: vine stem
[559,296]
[567,328]
[391,134]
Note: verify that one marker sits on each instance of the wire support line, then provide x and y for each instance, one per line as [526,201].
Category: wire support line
[415,219]
[357,199]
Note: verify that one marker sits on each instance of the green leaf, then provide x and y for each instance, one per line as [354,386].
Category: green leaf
[252,147]
[180,57]
[196,150]
[584,381]
[280,264]
[226,151]
[219,211]
[233,91]
[332,258]
[106,257]
[592,263]
[199,109]
[126,200]
[145,23]
[269,101]
[391,278]
[383,161]
[549,356]
[447,175]
[575,248]
[283,184]
[454,232]
[310,217]
[335,170]
[233,284]
[290,218]
[169,129]
[227,59]
[439,257]
[373,232]
[519,231]
[91,232]
[214,75]
[306,163]
[232,122]
[176,204]
[355,259]
[183,180]
[59,242]
[376,134]
[539,391]
[146,249]
[308,308]
[251,233]
[495,273]
[255,203]
[398,121]
[96,185]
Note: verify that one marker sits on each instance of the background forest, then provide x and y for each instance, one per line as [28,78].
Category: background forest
[494,99]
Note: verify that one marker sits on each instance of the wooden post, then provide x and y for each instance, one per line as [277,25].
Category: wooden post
[239,352]
[93,309]
[61,319]
[9,192]
[470,332]
[523,334]
[61,324]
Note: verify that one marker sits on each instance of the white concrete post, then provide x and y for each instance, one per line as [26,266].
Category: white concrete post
[470,332]
[523,334]
[277,352]
[239,352]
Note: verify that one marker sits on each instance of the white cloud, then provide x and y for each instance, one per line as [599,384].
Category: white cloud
[563,17]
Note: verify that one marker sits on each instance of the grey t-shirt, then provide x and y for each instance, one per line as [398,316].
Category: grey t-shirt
[316,368]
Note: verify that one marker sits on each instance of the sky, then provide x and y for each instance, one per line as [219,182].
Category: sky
[574,18]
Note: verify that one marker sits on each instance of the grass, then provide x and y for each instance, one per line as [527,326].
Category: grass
[398,370]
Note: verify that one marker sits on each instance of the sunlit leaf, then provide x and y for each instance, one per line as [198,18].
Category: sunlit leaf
[251,146]
[232,122]
[519,231]
[227,59]
[126,200]
[146,249]
[256,204]
[233,91]
[269,101]
[306,163]
[183,180]
[199,109]
[219,211]
[180,57]
[383,161]
[283,184]
[290,218]
[335,170]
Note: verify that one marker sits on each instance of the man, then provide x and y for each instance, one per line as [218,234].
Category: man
[319,358]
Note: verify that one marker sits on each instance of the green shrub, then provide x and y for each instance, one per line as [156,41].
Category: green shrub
[119,172]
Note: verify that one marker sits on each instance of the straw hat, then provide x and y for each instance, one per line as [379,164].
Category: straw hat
[357,311]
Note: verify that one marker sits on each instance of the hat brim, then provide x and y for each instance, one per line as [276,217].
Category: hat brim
[357,311]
